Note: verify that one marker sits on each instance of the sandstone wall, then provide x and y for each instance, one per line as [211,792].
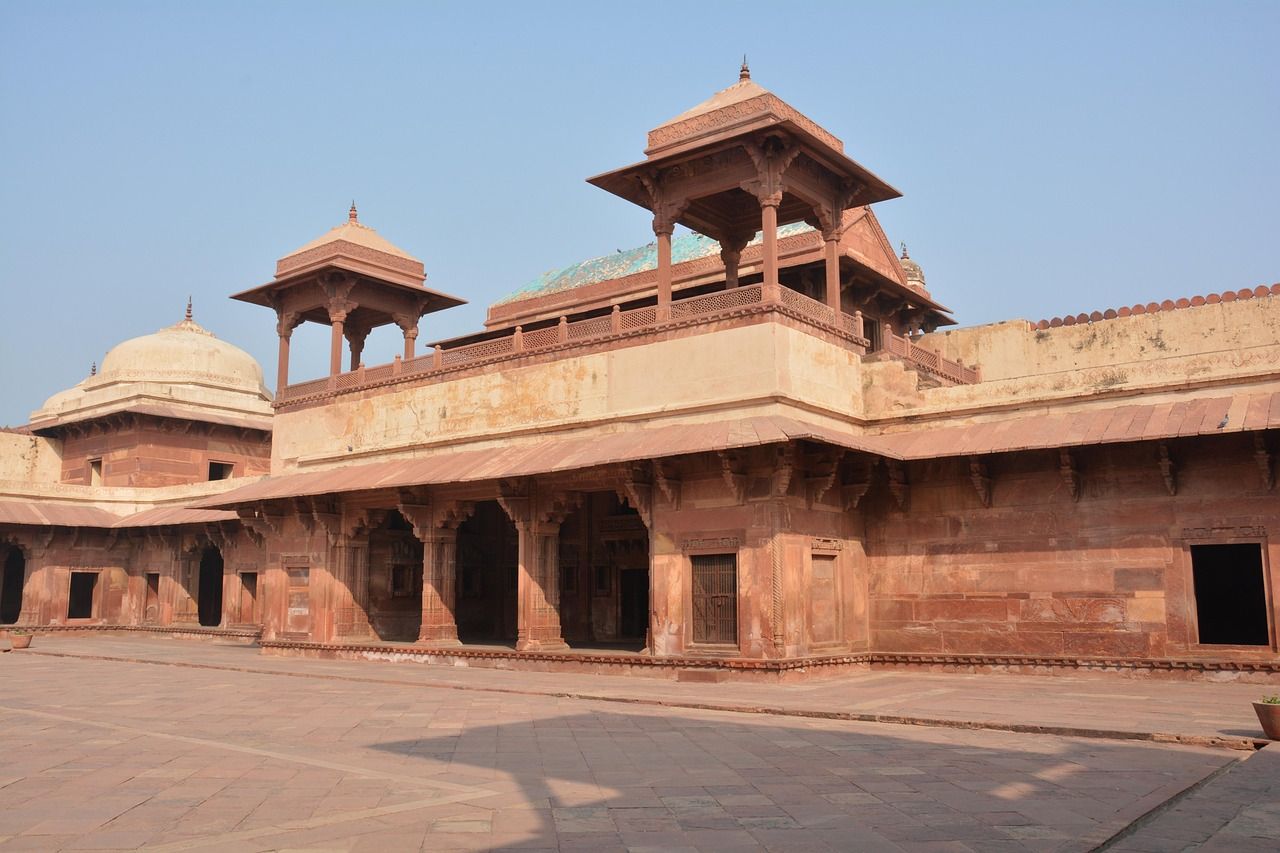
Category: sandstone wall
[1038,573]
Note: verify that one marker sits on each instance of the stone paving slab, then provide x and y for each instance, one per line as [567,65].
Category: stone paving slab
[1085,704]
[102,754]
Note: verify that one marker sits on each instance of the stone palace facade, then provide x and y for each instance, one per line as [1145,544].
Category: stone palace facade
[754,448]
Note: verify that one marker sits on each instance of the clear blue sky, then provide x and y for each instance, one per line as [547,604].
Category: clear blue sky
[1054,158]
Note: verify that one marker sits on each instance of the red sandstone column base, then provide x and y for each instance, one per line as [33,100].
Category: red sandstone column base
[439,636]
[528,644]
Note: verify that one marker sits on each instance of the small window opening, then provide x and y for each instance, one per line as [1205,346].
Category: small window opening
[220,470]
[95,472]
[80,602]
[715,598]
[401,581]
[1231,599]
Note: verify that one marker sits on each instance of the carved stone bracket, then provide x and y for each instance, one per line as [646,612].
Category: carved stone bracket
[667,482]
[1070,472]
[254,525]
[772,156]
[328,516]
[898,483]
[637,492]
[824,471]
[1262,456]
[667,208]
[859,483]
[555,507]
[1168,470]
[514,496]
[731,464]
[784,469]
[980,476]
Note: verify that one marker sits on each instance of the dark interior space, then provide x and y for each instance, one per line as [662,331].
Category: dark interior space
[487,581]
[80,601]
[395,580]
[1231,599]
[209,600]
[15,566]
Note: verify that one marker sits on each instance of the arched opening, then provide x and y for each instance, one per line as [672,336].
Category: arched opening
[15,568]
[604,575]
[395,580]
[209,599]
[487,581]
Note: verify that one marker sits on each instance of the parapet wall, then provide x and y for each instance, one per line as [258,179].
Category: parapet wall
[26,458]
[1228,342]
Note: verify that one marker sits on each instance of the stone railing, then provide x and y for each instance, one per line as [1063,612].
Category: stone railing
[928,360]
[517,343]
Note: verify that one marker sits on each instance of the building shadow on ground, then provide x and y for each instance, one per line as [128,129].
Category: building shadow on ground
[616,780]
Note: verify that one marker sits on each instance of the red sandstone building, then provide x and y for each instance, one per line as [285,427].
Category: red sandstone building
[757,448]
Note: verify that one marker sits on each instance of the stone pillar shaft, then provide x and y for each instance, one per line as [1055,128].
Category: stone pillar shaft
[833,275]
[282,368]
[439,585]
[664,274]
[769,227]
[335,346]
[539,588]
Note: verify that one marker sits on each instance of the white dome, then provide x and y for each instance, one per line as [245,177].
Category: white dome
[182,353]
[182,371]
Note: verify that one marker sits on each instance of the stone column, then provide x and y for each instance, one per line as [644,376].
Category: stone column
[769,227]
[731,254]
[337,318]
[538,626]
[439,588]
[410,342]
[355,338]
[664,267]
[832,254]
[351,618]
[537,520]
[286,322]
[436,526]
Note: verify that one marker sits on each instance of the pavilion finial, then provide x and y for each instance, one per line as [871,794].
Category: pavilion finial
[93,369]
[744,73]
[188,317]
[352,216]
[904,252]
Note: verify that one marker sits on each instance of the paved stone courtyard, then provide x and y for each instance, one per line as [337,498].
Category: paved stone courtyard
[117,752]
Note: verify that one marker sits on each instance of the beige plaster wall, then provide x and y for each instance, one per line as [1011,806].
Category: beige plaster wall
[725,374]
[1228,343]
[30,458]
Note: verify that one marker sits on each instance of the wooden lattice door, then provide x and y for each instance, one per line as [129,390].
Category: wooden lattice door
[715,598]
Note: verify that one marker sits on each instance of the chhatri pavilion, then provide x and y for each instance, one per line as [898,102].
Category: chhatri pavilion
[756,447]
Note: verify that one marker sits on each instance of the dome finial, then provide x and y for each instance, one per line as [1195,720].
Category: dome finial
[93,369]
[744,73]
[188,317]
[904,252]
[351,214]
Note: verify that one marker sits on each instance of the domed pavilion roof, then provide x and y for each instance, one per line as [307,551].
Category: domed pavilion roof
[180,371]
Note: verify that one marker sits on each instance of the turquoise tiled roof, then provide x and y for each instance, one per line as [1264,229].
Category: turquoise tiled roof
[687,246]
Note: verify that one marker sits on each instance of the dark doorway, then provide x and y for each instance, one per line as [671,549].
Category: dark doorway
[209,600]
[15,568]
[1231,598]
[151,607]
[487,581]
[80,599]
[634,618]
